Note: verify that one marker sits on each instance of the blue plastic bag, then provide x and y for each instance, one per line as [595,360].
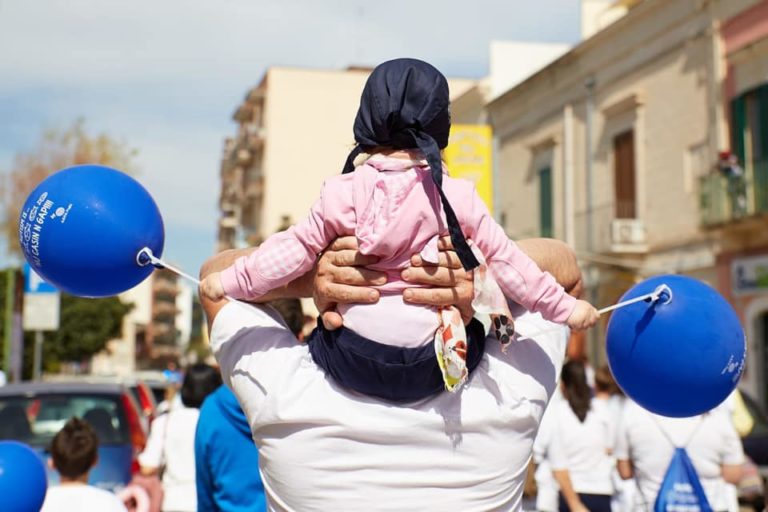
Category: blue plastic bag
[681,490]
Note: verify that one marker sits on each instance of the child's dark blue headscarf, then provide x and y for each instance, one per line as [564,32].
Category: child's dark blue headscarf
[405,105]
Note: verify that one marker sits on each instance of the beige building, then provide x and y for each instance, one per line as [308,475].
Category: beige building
[614,148]
[294,131]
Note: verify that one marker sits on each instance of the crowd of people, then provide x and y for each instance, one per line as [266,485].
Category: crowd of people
[599,451]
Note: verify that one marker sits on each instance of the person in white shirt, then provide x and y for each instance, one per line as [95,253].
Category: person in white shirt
[646,442]
[547,489]
[609,395]
[73,454]
[581,446]
[171,443]
[322,447]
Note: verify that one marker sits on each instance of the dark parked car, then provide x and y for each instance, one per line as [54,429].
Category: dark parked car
[33,412]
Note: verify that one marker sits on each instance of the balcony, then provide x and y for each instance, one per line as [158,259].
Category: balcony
[165,286]
[726,200]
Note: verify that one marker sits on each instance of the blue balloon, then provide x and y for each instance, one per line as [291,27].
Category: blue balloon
[680,357]
[82,228]
[22,478]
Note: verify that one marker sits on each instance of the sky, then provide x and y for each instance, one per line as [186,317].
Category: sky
[165,76]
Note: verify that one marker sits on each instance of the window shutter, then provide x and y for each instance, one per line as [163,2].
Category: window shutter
[545,202]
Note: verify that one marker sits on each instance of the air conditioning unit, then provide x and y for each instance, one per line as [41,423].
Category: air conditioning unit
[627,234]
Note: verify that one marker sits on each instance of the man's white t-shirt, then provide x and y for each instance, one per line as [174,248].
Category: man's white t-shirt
[81,498]
[710,440]
[322,447]
[584,448]
[171,444]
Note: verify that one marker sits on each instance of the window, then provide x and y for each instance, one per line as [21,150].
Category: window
[624,175]
[749,133]
[545,202]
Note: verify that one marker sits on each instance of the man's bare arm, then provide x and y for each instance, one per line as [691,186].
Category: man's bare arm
[340,276]
[557,258]
[300,287]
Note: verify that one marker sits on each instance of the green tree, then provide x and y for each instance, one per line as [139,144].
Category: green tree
[56,149]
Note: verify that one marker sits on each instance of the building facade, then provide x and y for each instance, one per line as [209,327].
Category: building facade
[737,206]
[615,148]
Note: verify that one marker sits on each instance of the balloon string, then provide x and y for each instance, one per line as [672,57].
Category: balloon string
[654,296]
[627,302]
[158,263]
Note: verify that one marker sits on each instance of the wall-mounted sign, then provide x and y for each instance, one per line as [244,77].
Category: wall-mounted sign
[749,275]
[469,156]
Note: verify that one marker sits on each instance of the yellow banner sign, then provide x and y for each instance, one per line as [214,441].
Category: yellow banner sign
[469,156]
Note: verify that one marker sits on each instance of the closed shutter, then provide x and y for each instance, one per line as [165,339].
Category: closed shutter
[760,162]
[738,120]
[545,202]
[624,175]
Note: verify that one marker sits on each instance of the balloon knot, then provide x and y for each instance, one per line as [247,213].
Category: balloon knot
[144,257]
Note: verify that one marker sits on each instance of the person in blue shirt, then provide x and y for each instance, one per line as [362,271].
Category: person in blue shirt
[226,458]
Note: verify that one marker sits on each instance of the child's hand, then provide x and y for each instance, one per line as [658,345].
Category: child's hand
[211,287]
[584,316]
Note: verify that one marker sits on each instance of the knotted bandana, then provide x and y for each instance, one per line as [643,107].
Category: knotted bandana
[405,105]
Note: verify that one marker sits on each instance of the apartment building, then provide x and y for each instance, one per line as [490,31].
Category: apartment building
[614,147]
[294,131]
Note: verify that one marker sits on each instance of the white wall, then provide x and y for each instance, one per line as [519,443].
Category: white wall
[514,61]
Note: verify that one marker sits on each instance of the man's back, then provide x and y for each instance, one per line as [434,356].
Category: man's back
[324,448]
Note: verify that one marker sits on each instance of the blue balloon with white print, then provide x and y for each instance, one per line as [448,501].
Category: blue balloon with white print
[681,355]
[82,228]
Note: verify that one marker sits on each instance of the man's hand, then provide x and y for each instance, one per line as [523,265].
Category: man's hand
[453,286]
[341,277]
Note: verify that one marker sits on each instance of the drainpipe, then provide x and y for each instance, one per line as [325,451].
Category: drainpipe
[590,106]
[592,271]
[568,211]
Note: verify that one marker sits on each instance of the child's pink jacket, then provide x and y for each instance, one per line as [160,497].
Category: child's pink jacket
[389,204]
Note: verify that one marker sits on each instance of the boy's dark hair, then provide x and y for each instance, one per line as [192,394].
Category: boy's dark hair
[74,448]
[200,380]
[290,310]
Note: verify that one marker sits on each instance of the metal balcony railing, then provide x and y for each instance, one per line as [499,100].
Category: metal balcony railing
[727,199]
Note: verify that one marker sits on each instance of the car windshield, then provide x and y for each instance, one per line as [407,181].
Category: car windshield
[36,419]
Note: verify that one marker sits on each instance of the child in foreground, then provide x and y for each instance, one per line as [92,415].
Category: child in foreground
[395,196]
[73,455]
